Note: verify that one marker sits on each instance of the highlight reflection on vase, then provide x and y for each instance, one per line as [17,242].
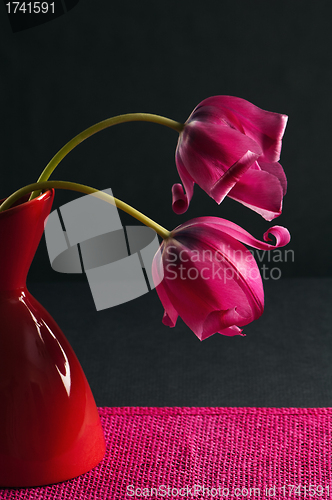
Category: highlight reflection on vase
[50,429]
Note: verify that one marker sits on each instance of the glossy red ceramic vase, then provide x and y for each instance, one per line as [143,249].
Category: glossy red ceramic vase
[50,429]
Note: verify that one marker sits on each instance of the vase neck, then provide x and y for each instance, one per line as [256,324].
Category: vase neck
[21,229]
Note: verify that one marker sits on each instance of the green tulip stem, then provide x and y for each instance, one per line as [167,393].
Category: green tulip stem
[73,186]
[130,117]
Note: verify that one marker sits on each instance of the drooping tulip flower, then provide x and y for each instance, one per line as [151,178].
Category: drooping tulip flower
[205,275]
[230,147]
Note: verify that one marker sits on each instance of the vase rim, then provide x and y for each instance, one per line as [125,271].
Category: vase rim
[21,205]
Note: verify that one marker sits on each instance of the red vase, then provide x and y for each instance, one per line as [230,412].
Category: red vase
[50,429]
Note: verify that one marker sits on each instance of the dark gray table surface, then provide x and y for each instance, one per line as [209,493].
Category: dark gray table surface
[131,359]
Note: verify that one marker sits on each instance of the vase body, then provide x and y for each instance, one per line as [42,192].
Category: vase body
[50,429]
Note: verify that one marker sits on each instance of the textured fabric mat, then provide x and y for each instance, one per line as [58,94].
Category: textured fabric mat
[232,453]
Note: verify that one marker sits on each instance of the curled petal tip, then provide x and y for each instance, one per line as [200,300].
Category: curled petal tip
[180,201]
[281,234]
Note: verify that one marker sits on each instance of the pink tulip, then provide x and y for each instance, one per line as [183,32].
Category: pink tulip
[229,147]
[207,277]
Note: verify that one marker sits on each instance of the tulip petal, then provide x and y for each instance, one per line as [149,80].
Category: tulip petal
[222,187]
[205,154]
[265,127]
[198,287]
[234,269]
[167,319]
[189,305]
[281,234]
[181,199]
[222,146]
[231,331]
[170,314]
[220,321]
[260,191]
[276,170]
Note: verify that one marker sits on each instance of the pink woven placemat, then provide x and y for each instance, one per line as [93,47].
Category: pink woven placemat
[205,453]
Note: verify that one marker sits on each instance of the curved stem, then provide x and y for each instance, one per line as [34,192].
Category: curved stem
[130,117]
[73,186]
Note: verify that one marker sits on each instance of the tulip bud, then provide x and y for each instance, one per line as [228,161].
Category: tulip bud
[205,275]
[230,147]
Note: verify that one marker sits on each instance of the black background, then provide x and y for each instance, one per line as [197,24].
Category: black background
[106,58]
